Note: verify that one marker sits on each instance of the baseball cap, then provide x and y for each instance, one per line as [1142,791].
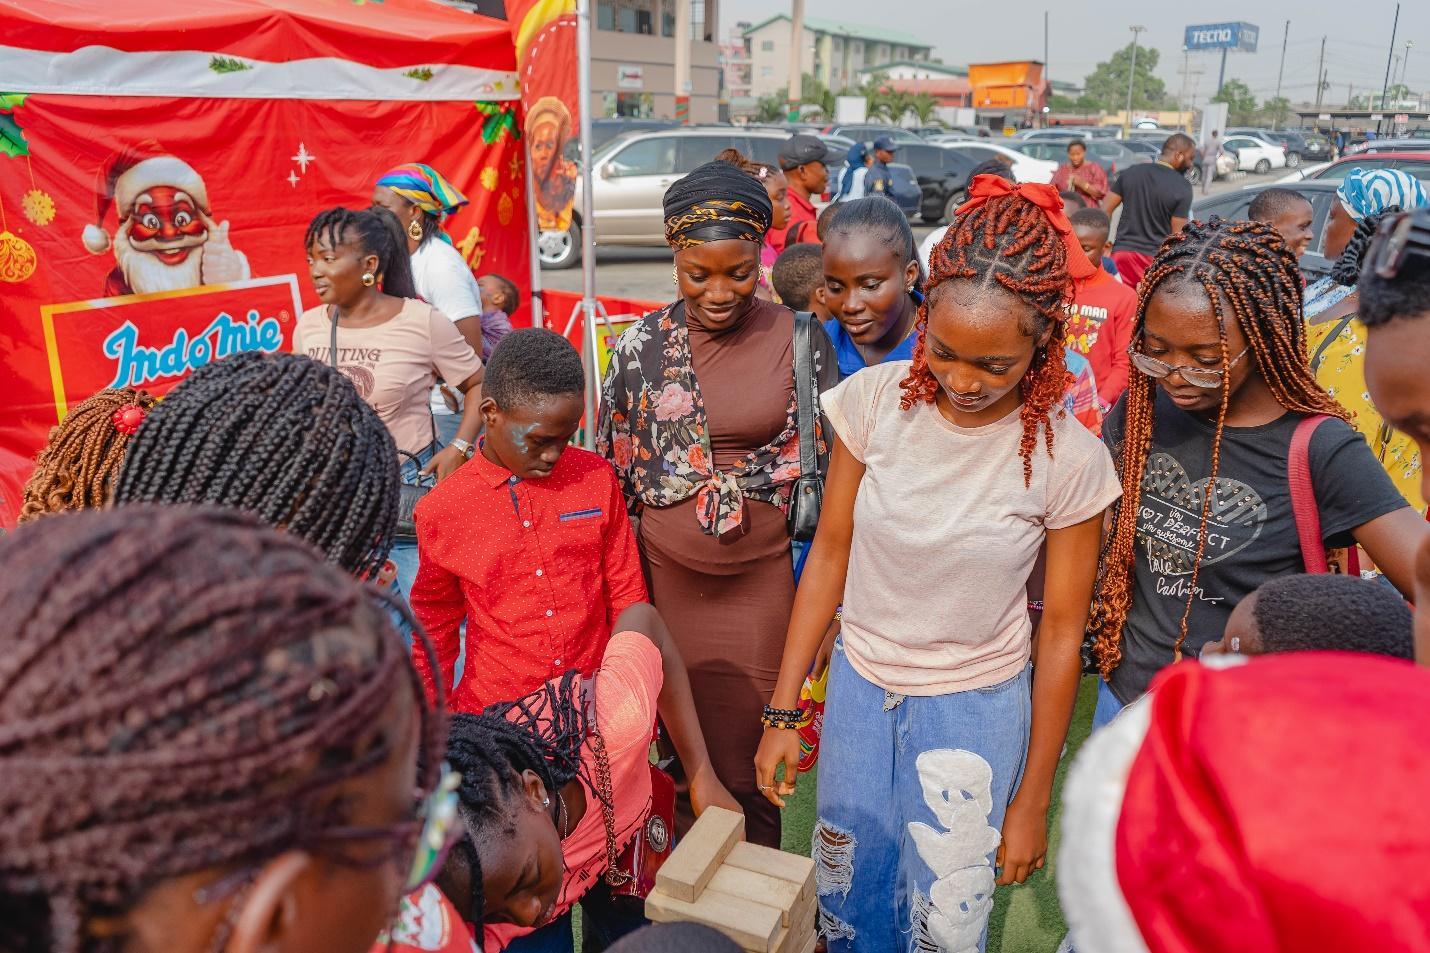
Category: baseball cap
[885,143]
[802,149]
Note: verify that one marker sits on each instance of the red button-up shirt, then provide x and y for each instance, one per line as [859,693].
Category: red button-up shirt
[538,569]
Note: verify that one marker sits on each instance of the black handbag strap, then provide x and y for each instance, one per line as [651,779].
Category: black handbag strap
[804,391]
[333,359]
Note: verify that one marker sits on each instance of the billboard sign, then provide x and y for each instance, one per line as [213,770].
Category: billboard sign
[1222,36]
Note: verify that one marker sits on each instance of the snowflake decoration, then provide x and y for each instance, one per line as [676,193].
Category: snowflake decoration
[293,179]
[38,207]
[489,179]
[304,157]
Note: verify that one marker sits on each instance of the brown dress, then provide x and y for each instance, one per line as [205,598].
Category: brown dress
[727,599]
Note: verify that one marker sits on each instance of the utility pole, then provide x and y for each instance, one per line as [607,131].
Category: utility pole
[1285,35]
[1395,26]
[1405,62]
[796,61]
[1221,77]
[1321,73]
[1131,75]
[1182,99]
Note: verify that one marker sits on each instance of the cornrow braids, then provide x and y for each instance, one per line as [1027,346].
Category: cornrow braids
[1007,243]
[542,733]
[76,470]
[1347,268]
[183,690]
[375,231]
[1249,275]
[280,436]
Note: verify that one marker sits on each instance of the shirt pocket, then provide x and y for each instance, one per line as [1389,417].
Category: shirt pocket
[580,535]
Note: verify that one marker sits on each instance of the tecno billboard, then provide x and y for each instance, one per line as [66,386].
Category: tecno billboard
[1222,36]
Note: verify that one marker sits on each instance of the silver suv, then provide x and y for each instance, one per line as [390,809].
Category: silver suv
[630,175]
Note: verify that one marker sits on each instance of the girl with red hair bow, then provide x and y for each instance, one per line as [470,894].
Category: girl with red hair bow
[949,473]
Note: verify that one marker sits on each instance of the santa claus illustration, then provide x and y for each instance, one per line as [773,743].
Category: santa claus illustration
[167,239]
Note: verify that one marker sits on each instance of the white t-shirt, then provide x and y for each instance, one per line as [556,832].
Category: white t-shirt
[945,534]
[929,244]
[445,282]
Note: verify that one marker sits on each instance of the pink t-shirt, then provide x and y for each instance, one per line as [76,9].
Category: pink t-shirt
[623,694]
[945,534]
[394,364]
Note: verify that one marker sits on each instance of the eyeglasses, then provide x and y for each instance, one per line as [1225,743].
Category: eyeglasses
[1398,238]
[1205,377]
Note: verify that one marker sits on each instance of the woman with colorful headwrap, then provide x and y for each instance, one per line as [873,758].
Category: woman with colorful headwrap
[1335,337]
[699,417]
[422,198]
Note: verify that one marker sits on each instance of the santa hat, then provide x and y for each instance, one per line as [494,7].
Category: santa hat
[129,174]
[1269,806]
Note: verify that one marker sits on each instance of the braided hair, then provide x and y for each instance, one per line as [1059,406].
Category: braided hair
[375,231]
[1249,275]
[542,732]
[76,469]
[280,436]
[1008,244]
[183,689]
[1347,268]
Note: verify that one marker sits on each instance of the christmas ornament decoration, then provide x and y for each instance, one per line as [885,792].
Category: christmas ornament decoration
[505,209]
[17,256]
[500,121]
[489,179]
[12,137]
[227,64]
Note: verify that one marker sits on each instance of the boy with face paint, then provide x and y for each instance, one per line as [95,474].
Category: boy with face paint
[529,543]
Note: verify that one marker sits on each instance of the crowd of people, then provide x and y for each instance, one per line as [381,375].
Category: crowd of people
[349,649]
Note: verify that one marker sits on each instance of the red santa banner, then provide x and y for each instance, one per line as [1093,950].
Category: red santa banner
[146,232]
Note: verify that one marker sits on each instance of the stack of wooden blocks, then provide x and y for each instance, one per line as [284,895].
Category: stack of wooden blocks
[763,899]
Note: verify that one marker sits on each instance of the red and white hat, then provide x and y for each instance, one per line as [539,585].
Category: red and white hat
[129,174]
[1267,807]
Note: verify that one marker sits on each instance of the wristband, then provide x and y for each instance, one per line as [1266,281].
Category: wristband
[785,718]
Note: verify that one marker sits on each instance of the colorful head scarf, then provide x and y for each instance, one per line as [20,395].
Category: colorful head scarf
[1366,192]
[425,188]
[715,202]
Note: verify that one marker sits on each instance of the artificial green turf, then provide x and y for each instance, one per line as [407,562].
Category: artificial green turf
[1026,918]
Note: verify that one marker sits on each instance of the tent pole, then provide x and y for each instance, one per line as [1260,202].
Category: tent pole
[538,304]
[588,230]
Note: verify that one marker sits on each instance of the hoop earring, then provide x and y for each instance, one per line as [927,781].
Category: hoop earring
[368,279]
[414,230]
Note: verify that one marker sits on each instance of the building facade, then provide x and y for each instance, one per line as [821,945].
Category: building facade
[833,52]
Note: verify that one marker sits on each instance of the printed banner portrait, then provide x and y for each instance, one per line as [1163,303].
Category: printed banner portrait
[545,34]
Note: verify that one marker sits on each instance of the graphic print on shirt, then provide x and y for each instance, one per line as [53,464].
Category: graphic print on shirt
[1084,324]
[357,364]
[1170,516]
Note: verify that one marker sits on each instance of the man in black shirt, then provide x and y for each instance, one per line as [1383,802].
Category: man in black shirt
[1158,201]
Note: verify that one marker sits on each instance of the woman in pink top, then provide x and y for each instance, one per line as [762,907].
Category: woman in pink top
[392,345]
[556,784]
[949,473]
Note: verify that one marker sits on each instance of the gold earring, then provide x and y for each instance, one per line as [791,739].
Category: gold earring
[414,229]
[368,279]
[675,274]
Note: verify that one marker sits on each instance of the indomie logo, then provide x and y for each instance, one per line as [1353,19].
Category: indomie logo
[138,364]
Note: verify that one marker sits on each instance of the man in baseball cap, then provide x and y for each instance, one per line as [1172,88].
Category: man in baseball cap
[879,181]
[803,160]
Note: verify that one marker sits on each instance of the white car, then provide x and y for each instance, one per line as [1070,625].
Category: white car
[1255,155]
[1025,168]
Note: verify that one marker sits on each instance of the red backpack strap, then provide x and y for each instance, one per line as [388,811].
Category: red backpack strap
[1303,496]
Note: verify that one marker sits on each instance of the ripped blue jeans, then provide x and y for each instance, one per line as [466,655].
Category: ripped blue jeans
[912,791]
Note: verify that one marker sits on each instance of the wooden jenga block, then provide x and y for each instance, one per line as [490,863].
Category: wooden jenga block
[783,895]
[700,853]
[794,939]
[773,863]
[752,926]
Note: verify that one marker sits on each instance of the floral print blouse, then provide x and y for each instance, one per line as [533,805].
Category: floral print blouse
[653,427]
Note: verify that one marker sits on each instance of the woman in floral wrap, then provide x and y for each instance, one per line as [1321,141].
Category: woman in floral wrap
[698,415]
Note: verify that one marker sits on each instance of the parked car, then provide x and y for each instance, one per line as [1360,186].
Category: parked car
[1318,147]
[870,131]
[907,193]
[604,130]
[1404,144]
[1111,154]
[1415,163]
[1070,132]
[944,137]
[1025,167]
[942,175]
[1147,147]
[1235,205]
[1254,155]
[630,174]
[1298,148]
[978,132]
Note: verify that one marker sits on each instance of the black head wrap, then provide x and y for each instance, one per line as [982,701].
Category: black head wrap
[717,201]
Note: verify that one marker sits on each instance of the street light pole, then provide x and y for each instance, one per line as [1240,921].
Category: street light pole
[1390,54]
[1276,118]
[1131,76]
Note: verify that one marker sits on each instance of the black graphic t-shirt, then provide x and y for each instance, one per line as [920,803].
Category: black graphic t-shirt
[1251,530]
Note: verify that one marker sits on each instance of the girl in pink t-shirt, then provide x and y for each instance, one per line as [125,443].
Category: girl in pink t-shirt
[950,472]
[556,784]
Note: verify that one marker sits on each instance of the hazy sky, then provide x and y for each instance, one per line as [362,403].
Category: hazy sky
[1082,34]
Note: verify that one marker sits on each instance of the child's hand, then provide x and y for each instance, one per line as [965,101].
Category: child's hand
[707,791]
[1024,848]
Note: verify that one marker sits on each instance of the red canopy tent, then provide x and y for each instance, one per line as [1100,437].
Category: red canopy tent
[160,162]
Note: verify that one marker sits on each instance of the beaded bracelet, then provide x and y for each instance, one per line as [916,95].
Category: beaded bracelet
[780,717]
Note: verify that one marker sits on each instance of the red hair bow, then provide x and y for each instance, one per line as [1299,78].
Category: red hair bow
[1045,197]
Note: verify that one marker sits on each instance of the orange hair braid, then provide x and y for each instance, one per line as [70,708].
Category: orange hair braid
[77,468]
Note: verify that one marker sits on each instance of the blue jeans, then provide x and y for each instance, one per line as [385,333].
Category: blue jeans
[912,792]
[1107,706]
[404,551]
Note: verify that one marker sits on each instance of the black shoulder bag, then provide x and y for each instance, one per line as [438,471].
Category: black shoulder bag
[408,494]
[807,496]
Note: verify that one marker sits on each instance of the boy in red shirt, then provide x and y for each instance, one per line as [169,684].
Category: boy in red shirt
[1103,311]
[529,542]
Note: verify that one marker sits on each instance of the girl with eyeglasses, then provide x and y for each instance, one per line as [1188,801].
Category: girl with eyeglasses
[1206,514]
[210,741]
